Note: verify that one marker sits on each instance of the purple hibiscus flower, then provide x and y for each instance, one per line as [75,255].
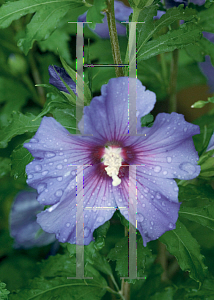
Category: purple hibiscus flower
[163,151]
[55,74]
[23,225]
[122,13]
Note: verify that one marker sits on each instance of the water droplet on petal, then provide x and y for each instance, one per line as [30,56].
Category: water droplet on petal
[171,225]
[165,172]
[152,223]
[169,159]
[44,173]
[158,196]
[65,160]
[68,224]
[50,154]
[175,188]
[30,176]
[73,173]
[185,129]
[59,178]
[38,168]
[58,193]
[146,190]
[157,169]
[187,167]
[163,203]
[86,232]
[100,219]
[140,217]
[41,187]
[59,167]
[61,153]
[144,205]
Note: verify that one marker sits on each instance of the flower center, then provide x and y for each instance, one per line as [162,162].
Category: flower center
[112,159]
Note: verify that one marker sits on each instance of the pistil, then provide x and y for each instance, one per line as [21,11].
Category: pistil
[112,159]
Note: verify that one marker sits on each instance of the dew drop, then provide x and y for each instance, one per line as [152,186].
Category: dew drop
[169,159]
[157,169]
[100,219]
[59,178]
[158,196]
[152,223]
[187,167]
[41,187]
[140,217]
[146,190]
[44,173]
[34,140]
[58,193]
[50,164]
[165,172]
[65,160]
[61,153]
[141,196]
[171,225]
[185,129]
[30,176]
[175,188]
[50,154]
[163,203]
[144,205]
[38,168]
[68,224]
[86,232]
[59,167]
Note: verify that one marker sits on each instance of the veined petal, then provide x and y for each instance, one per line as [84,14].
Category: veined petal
[23,225]
[57,154]
[107,115]
[157,205]
[166,149]
[98,207]
[53,173]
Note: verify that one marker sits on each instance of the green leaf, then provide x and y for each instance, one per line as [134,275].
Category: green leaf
[54,284]
[147,120]
[58,44]
[3,291]
[147,30]
[120,255]
[14,94]
[93,257]
[201,49]
[166,294]
[20,158]
[175,39]
[4,166]
[47,15]
[72,74]
[66,118]
[185,248]
[100,235]
[197,204]
[20,124]
[94,14]
[206,19]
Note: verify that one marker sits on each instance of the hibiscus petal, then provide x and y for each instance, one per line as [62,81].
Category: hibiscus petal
[23,225]
[111,109]
[53,174]
[55,151]
[98,207]
[166,149]
[157,205]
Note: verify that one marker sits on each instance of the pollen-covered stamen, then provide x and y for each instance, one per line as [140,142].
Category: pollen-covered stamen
[112,159]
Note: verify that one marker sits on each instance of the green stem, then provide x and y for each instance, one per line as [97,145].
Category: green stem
[164,69]
[172,105]
[135,16]
[114,38]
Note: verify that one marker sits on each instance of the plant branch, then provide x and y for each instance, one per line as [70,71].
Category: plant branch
[114,38]
[172,105]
